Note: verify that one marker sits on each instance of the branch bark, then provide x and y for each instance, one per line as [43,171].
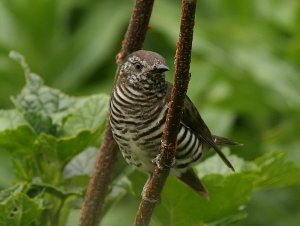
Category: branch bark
[98,185]
[166,158]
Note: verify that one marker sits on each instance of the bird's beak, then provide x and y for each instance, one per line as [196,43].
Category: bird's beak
[160,68]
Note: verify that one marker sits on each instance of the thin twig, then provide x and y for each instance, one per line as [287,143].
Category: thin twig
[166,158]
[137,28]
[101,177]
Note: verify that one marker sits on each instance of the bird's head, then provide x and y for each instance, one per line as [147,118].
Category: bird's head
[143,70]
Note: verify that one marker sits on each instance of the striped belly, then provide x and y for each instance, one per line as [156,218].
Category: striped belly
[138,133]
[189,149]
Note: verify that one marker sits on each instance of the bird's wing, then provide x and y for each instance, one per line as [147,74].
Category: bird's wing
[192,119]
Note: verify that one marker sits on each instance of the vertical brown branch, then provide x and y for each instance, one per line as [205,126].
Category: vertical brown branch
[137,28]
[168,147]
[101,177]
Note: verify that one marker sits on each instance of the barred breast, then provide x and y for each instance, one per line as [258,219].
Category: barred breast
[137,122]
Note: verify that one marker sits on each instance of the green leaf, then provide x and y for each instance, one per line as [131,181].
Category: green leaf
[181,206]
[50,129]
[10,191]
[82,164]
[6,169]
[229,192]
[58,191]
[89,115]
[64,149]
[43,105]
[18,140]
[41,123]
[276,171]
[45,108]
[215,165]
[16,208]
[10,119]
[236,186]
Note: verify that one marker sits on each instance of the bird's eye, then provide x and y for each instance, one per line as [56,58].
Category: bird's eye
[138,66]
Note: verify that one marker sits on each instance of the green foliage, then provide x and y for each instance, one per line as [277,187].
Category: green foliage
[43,133]
[245,82]
[17,208]
[229,192]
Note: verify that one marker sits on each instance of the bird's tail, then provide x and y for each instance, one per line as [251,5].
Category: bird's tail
[193,181]
[222,141]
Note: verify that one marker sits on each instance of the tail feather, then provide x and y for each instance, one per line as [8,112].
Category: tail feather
[222,141]
[193,181]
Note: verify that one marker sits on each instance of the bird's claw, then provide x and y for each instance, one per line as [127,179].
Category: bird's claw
[156,161]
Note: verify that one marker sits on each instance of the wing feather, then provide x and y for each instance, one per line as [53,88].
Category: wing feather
[192,119]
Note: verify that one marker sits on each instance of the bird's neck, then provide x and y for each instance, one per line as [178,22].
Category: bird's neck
[154,89]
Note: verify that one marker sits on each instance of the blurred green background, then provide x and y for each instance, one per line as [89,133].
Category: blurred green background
[245,70]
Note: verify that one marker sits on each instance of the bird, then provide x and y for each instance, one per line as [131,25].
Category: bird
[138,109]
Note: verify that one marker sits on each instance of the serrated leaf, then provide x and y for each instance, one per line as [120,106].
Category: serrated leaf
[39,99]
[58,191]
[82,164]
[276,171]
[227,196]
[181,206]
[272,169]
[17,209]
[44,108]
[19,140]
[69,147]
[229,192]
[89,115]
[215,165]
[65,148]
[41,123]
[41,145]
[10,119]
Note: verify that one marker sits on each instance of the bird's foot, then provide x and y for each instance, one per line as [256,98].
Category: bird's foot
[156,161]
